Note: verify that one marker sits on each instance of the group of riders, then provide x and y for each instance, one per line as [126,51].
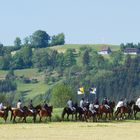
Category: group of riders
[30,106]
[84,105]
[94,106]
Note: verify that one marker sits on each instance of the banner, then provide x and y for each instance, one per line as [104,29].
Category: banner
[80,91]
[92,90]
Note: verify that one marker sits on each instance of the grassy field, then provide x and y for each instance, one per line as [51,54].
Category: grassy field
[116,130]
[30,90]
[71,131]
[97,47]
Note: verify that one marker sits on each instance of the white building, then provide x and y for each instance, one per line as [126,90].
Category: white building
[106,50]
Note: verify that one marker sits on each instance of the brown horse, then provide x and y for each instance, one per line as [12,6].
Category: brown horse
[45,112]
[33,112]
[121,111]
[4,113]
[93,115]
[15,112]
[107,111]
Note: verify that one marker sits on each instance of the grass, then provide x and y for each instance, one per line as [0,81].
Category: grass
[70,131]
[97,47]
[31,90]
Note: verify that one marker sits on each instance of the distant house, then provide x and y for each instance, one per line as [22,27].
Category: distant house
[105,50]
[131,51]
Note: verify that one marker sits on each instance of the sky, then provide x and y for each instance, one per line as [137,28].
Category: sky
[82,21]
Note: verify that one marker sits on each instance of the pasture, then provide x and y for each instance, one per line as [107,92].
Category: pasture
[71,131]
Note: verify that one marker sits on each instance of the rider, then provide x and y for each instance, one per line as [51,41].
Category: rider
[70,104]
[120,104]
[31,108]
[1,106]
[138,102]
[91,108]
[82,104]
[106,103]
[96,103]
[19,105]
[45,105]
[125,102]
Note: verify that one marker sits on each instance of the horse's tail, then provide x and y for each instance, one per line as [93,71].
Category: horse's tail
[63,113]
[11,115]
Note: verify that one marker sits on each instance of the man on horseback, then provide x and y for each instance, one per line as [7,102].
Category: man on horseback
[96,103]
[138,102]
[70,105]
[120,104]
[106,103]
[45,105]
[19,105]
[31,108]
[82,104]
[91,108]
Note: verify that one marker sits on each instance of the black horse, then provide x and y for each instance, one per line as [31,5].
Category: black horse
[68,111]
[136,109]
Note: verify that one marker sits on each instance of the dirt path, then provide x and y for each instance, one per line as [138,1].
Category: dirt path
[71,131]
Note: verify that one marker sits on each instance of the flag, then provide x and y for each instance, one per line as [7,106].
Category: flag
[92,90]
[80,91]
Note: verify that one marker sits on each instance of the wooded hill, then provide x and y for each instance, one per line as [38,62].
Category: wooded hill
[55,73]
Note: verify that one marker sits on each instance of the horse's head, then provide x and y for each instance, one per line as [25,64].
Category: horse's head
[75,105]
[38,107]
[130,104]
[50,108]
[112,104]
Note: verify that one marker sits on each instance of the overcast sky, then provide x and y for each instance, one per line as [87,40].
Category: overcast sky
[82,21]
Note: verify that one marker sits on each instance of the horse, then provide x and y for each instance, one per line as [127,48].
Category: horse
[15,112]
[4,113]
[92,114]
[45,112]
[123,110]
[107,111]
[68,111]
[33,112]
[83,113]
[136,109]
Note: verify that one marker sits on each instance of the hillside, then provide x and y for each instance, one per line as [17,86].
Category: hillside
[97,47]
[31,90]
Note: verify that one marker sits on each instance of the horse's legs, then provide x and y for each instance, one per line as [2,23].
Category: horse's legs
[14,119]
[40,119]
[5,118]
[106,116]
[72,116]
[46,119]
[34,118]
[76,116]
[135,113]
[50,118]
[68,117]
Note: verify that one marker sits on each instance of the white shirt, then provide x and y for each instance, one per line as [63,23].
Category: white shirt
[81,103]
[1,106]
[91,107]
[69,103]
[19,105]
[138,101]
[120,104]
